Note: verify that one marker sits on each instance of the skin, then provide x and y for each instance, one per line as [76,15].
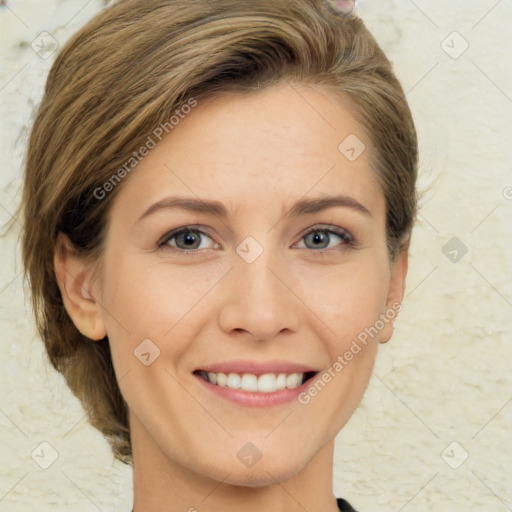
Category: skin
[256,154]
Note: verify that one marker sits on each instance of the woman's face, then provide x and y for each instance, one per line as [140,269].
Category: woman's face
[248,249]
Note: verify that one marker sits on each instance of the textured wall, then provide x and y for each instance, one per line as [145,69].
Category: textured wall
[433,432]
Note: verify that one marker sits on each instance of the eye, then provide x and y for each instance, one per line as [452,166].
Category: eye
[187,239]
[323,238]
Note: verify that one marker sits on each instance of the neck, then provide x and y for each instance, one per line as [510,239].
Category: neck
[162,485]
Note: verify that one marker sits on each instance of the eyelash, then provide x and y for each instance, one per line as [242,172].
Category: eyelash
[346,237]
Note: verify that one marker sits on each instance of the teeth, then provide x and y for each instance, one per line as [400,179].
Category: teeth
[221,379]
[281,381]
[266,383]
[293,380]
[249,382]
[234,381]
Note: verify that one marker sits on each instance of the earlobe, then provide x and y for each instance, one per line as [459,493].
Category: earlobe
[74,278]
[395,293]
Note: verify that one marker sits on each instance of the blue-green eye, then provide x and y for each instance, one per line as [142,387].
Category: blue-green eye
[323,238]
[188,239]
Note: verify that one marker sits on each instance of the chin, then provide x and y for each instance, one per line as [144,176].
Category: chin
[278,469]
[261,478]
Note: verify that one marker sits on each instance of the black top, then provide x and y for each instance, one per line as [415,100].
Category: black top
[344,506]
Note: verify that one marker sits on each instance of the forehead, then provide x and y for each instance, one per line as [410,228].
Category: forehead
[272,146]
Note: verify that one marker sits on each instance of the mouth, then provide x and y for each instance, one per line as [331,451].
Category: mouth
[254,383]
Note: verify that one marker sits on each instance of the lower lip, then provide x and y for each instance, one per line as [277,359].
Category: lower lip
[255,398]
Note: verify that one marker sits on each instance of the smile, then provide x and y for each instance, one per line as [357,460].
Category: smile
[250,382]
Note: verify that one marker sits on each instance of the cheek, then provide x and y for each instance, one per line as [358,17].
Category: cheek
[152,301]
[347,298]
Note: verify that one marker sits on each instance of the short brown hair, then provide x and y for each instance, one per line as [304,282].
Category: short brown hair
[125,73]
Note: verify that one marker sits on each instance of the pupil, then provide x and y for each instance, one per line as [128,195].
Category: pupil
[189,239]
[320,237]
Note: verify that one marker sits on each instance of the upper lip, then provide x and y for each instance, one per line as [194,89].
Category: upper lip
[256,367]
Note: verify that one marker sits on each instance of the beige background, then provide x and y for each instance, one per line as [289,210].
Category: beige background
[433,432]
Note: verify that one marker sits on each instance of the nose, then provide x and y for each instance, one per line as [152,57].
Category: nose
[258,300]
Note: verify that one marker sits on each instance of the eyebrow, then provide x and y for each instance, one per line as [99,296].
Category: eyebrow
[302,207]
[314,205]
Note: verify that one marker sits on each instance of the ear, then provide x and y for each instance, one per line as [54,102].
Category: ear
[74,278]
[395,293]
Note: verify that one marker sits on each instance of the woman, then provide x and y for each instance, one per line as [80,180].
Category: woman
[218,202]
